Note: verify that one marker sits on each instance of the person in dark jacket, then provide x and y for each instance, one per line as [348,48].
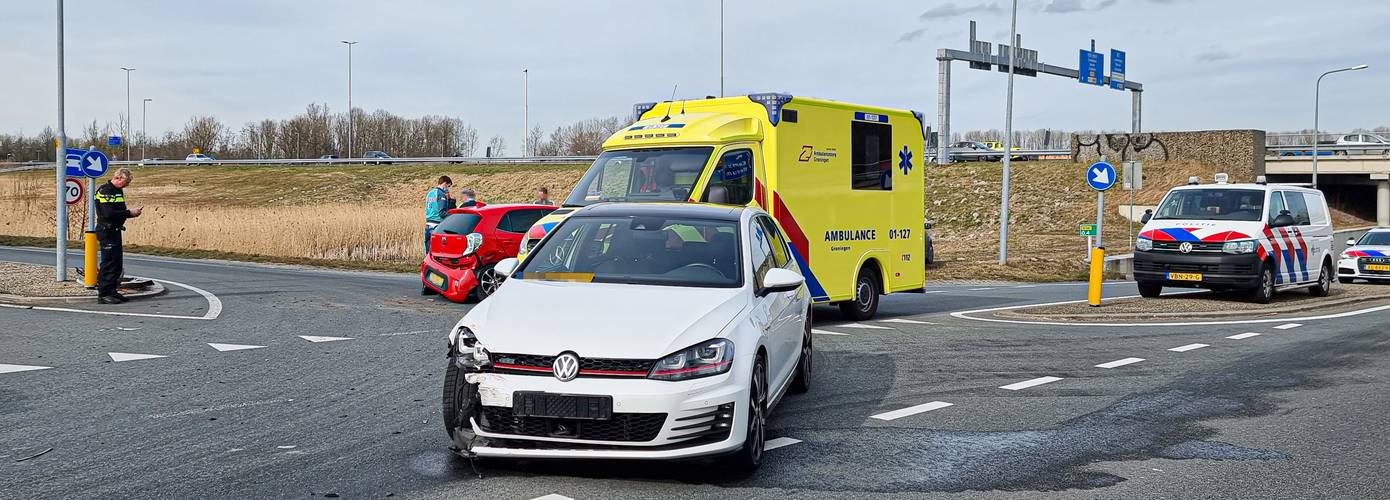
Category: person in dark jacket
[111,216]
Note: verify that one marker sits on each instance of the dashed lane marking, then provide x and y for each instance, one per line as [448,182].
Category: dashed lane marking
[908,321]
[130,356]
[911,410]
[233,347]
[556,496]
[936,291]
[21,368]
[232,406]
[315,338]
[818,331]
[412,332]
[1288,326]
[979,289]
[1119,362]
[1243,336]
[1188,347]
[863,326]
[776,443]
[1030,383]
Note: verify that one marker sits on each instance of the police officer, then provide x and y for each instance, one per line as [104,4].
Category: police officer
[111,216]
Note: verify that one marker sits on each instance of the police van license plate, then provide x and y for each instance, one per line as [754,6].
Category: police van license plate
[437,279]
[1185,276]
[1378,267]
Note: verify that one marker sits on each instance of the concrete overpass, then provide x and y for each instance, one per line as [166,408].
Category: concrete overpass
[1343,170]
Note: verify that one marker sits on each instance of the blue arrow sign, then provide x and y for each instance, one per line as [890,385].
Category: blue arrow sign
[84,163]
[1100,176]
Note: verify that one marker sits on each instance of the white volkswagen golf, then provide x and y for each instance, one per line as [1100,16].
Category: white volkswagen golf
[646,331]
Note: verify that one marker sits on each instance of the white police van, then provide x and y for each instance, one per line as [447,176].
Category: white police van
[1254,238]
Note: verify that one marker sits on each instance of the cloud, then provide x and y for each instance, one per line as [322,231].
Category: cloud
[912,35]
[1213,54]
[1069,6]
[951,10]
[1105,4]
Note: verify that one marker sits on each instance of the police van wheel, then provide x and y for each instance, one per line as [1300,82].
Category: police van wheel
[1324,286]
[1265,292]
[865,303]
[1150,290]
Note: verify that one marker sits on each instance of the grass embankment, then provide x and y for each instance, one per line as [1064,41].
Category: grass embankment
[371,217]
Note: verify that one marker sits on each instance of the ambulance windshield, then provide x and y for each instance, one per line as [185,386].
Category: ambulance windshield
[641,175]
[1213,204]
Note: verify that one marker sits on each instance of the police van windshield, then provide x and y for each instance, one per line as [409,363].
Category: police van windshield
[1213,204]
[641,175]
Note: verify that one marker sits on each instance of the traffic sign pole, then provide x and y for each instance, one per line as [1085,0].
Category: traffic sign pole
[60,167]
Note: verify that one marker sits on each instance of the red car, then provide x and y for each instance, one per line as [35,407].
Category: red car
[468,242]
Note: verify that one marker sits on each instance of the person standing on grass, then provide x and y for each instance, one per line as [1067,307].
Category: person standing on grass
[438,202]
[543,197]
[111,216]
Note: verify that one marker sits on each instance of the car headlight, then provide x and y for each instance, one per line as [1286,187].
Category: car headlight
[475,240]
[466,351]
[1143,244]
[711,357]
[1238,247]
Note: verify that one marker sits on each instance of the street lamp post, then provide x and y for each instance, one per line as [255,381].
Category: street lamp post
[721,48]
[1317,100]
[127,112]
[1008,140]
[144,134]
[349,110]
[60,168]
[526,112]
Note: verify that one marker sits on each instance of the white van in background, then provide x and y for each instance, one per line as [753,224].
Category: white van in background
[1255,238]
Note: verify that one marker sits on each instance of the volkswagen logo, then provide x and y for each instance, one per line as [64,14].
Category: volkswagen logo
[566,367]
[1185,247]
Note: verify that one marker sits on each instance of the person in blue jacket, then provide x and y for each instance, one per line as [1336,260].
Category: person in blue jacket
[438,202]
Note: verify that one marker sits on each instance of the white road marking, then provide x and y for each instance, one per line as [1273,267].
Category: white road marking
[214,307]
[1243,336]
[1288,326]
[826,332]
[776,443]
[554,496]
[908,321]
[911,410]
[1026,286]
[1030,383]
[413,332]
[864,326]
[1188,347]
[231,406]
[979,289]
[1119,362]
[233,347]
[21,368]
[967,315]
[936,291]
[315,338]
[290,447]
[128,356]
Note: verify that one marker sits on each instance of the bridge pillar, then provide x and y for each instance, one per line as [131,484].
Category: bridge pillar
[1383,202]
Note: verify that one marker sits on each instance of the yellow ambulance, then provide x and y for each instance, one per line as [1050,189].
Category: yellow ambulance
[843,180]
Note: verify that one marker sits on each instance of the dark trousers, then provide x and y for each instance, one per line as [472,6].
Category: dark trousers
[112,265]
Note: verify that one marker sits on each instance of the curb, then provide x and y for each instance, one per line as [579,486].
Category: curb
[155,289]
[1018,314]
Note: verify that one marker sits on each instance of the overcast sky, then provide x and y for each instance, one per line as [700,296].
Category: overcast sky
[1204,64]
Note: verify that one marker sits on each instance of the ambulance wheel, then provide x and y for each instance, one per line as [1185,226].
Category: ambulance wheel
[865,303]
[1150,290]
[1265,292]
[1324,286]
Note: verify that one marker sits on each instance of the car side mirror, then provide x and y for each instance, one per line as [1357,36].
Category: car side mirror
[1283,220]
[506,267]
[1148,216]
[779,280]
[718,195]
[1351,242]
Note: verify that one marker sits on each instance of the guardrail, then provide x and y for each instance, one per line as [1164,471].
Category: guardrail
[531,160]
[1026,154]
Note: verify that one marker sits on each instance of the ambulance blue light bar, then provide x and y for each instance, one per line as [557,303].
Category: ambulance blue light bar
[773,101]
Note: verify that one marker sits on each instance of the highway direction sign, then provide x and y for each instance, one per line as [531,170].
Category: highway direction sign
[1117,69]
[72,191]
[86,163]
[1101,176]
[114,140]
[1092,68]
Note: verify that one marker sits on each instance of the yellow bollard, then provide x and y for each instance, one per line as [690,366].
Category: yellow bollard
[89,279]
[1097,275]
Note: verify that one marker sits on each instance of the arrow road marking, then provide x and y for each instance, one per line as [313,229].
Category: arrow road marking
[21,368]
[233,347]
[127,356]
[314,338]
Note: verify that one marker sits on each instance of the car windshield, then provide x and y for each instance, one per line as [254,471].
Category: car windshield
[1213,204]
[458,224]
[636,175]
[639,250]
[1380,238]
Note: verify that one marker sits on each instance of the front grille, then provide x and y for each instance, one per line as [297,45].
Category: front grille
[1364,261]
[713,425]
[1185,267]
[623,427]
[1197,247]
[535,364]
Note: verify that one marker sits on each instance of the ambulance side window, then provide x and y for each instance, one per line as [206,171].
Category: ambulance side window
[871,151]
[1276,205]
[734,172]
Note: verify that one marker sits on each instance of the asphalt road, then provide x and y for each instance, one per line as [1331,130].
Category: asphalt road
[1294,412]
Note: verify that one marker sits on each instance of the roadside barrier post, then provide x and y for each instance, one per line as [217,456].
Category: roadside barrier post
[1097,275]
[89,276]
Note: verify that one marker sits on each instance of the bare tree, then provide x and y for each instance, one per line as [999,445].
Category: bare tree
[204,133]
[497,146]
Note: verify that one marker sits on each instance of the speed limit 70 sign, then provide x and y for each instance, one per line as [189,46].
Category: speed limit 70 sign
[73,191]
